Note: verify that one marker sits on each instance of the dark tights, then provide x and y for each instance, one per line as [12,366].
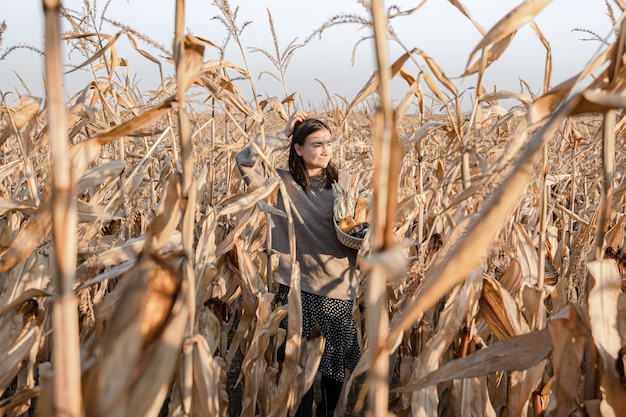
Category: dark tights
[306,406]
[331,389]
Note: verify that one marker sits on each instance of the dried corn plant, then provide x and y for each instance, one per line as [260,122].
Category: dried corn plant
[492,281]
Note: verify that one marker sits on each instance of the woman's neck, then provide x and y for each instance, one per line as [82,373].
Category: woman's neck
[314,172]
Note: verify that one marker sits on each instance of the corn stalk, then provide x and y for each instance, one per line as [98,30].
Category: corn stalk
[386,174]
[67,398]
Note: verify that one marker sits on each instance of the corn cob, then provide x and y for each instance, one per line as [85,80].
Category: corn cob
[346,224]
[360,209]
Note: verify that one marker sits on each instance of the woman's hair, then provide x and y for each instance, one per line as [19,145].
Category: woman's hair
[301,130]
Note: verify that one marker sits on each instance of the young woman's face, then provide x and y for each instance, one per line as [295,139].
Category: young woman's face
[315,151]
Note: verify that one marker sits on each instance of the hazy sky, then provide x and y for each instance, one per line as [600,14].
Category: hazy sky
[438,29]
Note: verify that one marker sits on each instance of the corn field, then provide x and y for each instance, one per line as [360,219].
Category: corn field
[134,279]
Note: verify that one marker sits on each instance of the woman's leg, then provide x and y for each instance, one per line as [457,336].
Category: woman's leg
[331,390]
[306,406]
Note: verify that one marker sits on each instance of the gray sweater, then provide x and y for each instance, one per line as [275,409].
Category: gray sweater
[327,266]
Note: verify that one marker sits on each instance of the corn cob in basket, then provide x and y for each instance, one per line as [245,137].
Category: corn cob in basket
[350,213]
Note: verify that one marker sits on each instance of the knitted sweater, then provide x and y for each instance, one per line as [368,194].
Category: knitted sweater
[327,267]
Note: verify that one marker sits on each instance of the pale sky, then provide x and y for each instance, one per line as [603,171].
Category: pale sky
[437,28]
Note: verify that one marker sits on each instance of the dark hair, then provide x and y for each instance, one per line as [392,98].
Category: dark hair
[301,130]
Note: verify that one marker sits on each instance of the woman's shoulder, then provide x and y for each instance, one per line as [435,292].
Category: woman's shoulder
[285,176]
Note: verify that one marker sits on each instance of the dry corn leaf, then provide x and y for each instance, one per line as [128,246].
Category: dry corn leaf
[209,374]
[511,280]
[250,219]
[615,236]
[99,174]
[29,236]
[158,367]
[19,331]
[190,64]
[289,100]
[531,301]
[266,393]
[406,213]
[406,102]
[254,365]
[525,254]
[500,311]
[434,88]
[518,17]
[240,339]
[250,281]
[493,54]
[288,391]
[311,356]
[546,44]
[142,52]
[209,43]
[438,73]
[603,301]
[23,297]
[99,53]
[31,278]
[243,201]
[452,319]
[25,207]
[470,397]
[276,105]
[206,247]
[88,213]
[407,364]
[9,168]
[83,151]
[27,109]
[419,135]
[22,396]
[548,102]
[600,100]
[208,326]
[372,84]
[569,338]
[127,251]
[220,86]
[522,385]
[523,98]
[412,81]
[463,10]
[167,217]
[141,342]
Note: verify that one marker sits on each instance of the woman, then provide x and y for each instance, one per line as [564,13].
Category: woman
[328,274]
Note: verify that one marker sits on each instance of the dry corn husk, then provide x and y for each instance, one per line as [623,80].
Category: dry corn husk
[340,207]
[350,207]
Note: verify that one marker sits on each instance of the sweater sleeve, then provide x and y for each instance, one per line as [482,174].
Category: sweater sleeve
[249,162]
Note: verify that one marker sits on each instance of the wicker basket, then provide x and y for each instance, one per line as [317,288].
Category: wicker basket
[346,239]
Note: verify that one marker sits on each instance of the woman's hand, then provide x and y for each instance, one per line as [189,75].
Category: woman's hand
[297,117]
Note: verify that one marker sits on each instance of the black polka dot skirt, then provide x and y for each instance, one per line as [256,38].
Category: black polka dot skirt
[336,321]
